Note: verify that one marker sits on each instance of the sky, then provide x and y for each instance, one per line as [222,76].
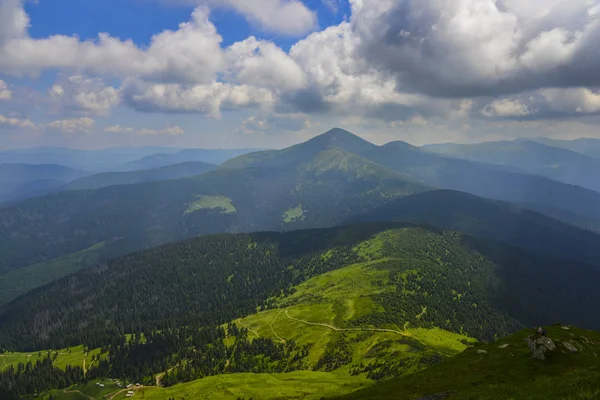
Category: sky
[271,73]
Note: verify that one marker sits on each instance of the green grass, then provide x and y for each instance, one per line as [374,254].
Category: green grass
[293,214]
[222,203]
[508,373]
[296,385]
[72,356]
[18,282]
[84,391]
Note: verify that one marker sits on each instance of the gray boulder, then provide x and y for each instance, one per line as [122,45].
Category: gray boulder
[570,347]
[539,345]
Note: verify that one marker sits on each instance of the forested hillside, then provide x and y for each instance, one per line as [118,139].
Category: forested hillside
[334,186]
[214,279]
[371,300]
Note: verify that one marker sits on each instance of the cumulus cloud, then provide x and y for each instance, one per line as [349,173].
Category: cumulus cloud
[276,124]
[480,47]
[572,100]
[262,63]
[84,95]
[191,53]
[16,123]
[170,131]
[5,92]
[287,17]
[70,126]
[203,99]
[506,108]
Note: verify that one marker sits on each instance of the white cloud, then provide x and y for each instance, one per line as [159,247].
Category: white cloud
[506,108]
[572,100]
[477,47]
[190,54]
[170,131]
[261,63]
[332,5]
[287,17]
[203,99]
[118,129]
[70,126]
[85,95]
[5,92]
[16,122]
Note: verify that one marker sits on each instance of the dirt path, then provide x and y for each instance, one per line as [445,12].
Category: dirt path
[84,368]
[329,326]
[239,321]
[112,396]
[78,392]
[273,330]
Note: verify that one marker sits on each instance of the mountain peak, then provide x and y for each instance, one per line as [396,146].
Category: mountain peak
[341,138]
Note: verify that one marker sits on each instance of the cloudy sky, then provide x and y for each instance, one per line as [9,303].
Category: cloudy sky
[269,73]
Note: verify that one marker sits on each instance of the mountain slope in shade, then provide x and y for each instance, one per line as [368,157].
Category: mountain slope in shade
[483,180]
[175,171]
[492,220]
[534,158]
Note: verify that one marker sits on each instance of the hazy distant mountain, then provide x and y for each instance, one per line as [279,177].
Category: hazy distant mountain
[18,181]
[87,160]
[587,146]
[535,158]
[175,171]
[183,156]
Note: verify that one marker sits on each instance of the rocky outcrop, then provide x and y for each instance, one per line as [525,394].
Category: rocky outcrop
[539,346]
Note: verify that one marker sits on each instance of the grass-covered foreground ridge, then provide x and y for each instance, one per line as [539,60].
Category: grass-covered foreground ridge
[504,369]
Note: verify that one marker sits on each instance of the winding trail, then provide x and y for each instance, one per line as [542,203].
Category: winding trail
[329,326]
[273,330]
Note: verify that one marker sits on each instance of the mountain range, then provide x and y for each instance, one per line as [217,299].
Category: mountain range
[334,262]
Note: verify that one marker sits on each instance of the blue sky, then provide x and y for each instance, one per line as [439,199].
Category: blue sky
[270,73]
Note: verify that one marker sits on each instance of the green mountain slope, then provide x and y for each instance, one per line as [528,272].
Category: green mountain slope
[535,158]
[176,171]
[570,203]
[341,307]
[504,370]
[303,152]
